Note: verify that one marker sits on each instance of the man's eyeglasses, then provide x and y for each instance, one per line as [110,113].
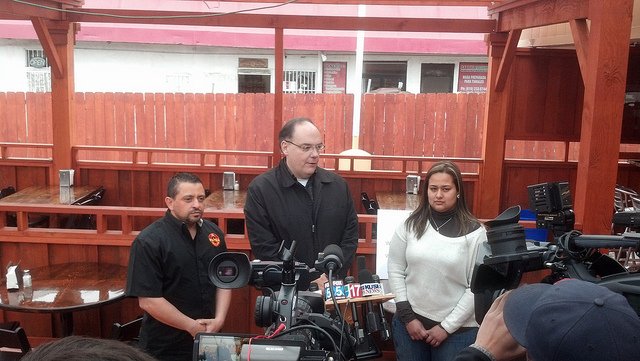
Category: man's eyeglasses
[307,147]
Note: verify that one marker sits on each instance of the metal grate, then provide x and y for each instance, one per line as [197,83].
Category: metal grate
[299,81]
[36,59]
[39,80]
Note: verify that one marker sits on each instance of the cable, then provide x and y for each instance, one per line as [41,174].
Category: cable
[192,16]
[314,327]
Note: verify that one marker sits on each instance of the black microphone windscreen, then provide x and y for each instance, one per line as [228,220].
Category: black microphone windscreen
[362,262]
[334,249]
[364,276]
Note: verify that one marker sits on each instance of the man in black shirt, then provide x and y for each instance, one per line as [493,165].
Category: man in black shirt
[168,272]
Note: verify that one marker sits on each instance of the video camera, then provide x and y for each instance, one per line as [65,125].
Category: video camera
[571,255]
[288,311]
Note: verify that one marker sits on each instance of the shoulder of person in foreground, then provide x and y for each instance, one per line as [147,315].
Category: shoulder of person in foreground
[79,348]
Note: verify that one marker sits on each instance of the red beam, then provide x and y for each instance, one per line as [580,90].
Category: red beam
[284,21]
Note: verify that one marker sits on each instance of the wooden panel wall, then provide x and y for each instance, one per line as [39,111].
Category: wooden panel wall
[546,101]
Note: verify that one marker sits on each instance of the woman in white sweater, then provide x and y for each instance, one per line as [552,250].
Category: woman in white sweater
[431,260]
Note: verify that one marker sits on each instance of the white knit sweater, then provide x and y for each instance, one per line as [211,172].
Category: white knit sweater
[434,273]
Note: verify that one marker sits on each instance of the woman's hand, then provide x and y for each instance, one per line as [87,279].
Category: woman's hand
[416,330]
[436,336]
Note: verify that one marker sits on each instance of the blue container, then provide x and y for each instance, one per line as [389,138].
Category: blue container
[533,234]
[536,234]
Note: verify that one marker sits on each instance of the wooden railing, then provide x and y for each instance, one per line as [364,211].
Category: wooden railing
[121,232]
[213,160]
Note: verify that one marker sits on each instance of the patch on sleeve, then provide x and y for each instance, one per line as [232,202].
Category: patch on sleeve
[214,239]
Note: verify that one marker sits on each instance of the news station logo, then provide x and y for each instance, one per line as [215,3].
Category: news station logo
[352,290]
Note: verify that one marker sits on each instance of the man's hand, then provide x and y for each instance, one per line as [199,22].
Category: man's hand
[195,327]
[320,281]
[494,335]
[211,324]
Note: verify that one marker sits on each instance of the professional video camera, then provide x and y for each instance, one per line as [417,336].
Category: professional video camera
[571,255]
[288,311]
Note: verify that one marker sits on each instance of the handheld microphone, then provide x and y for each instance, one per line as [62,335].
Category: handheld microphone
[359,332]
[386,330]
[364,276]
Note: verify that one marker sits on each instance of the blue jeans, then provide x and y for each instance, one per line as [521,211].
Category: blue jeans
[410,350]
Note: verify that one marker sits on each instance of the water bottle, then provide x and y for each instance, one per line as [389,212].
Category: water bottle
[26,279]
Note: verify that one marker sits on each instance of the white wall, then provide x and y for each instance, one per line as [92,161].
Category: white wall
[105,67]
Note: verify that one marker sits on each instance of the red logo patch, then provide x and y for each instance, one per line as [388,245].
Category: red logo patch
[214,239]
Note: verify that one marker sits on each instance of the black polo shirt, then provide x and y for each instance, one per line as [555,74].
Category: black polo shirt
[166,262]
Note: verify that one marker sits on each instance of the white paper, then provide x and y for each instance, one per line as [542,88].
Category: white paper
[388,220]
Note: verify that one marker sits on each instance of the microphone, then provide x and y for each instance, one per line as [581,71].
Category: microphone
[386,330]
[359,332]
[364,276]
[331,259]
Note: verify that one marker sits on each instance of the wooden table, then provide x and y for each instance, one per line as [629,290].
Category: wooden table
[398,200]
[50,195]
[229,201]
[65,288]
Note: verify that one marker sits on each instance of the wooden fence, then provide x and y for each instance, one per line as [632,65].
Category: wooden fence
[422,125]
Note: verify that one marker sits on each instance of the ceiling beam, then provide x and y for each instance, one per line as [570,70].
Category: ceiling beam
[284,21]
[380,2]
[523,14]
[508,56]
[42,30]
[12,10]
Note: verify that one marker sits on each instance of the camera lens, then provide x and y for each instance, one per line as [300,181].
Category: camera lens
[227,271]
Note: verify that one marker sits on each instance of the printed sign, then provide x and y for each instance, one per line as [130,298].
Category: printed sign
[472,77]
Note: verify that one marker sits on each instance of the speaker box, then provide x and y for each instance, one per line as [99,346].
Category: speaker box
[228,181]
[413,184]
[66,177]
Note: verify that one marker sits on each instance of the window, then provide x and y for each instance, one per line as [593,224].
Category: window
[384,74]
[299,81]
[436,78]
[254,76]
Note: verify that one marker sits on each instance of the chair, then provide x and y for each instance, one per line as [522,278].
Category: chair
[128,332]
[370,205]
[7,191]
[14,342]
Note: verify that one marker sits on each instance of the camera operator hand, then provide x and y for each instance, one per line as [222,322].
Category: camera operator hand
[493,335]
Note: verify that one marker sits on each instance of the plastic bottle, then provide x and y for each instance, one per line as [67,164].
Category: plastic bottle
[26,278]
[236,186]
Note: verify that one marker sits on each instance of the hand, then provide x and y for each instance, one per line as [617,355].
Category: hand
[320,281]
[196,327]
[416,330]
[211,324]
[494,336]
[436,336]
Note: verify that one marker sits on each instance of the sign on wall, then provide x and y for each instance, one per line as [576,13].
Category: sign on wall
[472,77]
[334,77]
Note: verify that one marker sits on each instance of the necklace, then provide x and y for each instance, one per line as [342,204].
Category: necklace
[435,225]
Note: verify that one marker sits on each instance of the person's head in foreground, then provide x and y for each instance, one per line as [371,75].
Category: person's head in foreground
[570,320]
[79,348]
